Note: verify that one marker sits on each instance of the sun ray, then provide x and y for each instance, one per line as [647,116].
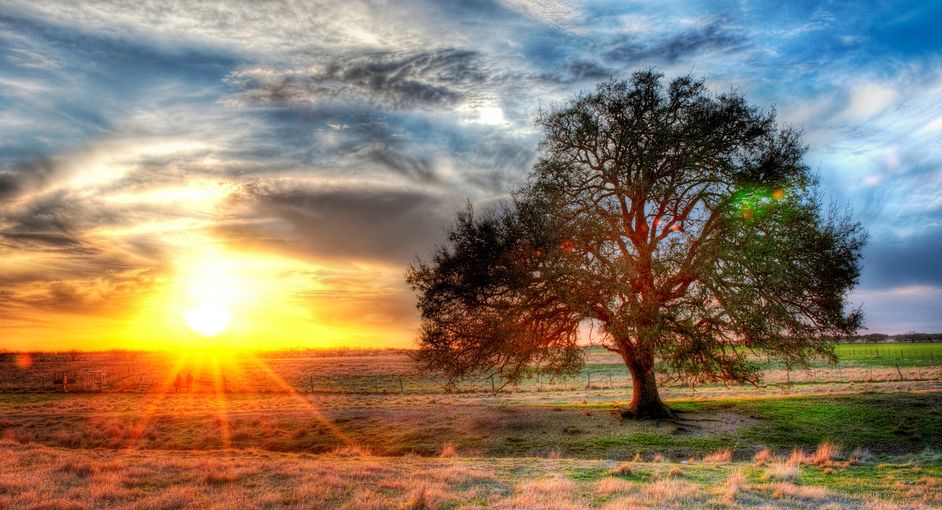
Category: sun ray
[305,403]
[222,404]
[157,398]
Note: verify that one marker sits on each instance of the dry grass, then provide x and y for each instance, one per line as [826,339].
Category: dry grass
[671,491]
[623,469]
[608,486]
[43,477]
[763,457]
[824,455]
[782,471]
[782,490]
[449,451]
[734,483]
[859,456]
[349,451]
[719,457]
[797,457]
[554,493]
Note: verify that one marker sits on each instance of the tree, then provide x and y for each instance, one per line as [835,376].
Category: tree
[682,227]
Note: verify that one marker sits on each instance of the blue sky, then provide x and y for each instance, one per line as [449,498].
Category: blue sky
[346,134]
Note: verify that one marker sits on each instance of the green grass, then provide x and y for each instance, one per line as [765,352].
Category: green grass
[888,423]
[888,355]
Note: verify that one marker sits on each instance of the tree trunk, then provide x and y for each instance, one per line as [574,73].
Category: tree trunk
[645,400]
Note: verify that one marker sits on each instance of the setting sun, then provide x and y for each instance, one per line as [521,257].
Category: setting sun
[208,319]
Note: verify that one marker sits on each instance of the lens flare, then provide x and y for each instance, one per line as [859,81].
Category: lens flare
[23,361]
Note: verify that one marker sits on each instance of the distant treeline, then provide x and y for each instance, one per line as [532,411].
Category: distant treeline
[880,338]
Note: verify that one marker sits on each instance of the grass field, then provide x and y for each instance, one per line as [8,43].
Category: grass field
[259,440]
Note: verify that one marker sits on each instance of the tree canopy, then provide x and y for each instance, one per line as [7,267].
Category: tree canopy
[682,227]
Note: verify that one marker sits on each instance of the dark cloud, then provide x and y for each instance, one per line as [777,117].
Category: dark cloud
[719,35]
[428,79]
[23,177]
[30,241]
[90,296]
[348,224]
[56,228]
[417,168]
[579,70]
[59,213]
[895,262]
[378,142]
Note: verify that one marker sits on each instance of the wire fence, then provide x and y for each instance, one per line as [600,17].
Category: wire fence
[857,364]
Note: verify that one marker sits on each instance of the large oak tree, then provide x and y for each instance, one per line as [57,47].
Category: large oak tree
[682,226]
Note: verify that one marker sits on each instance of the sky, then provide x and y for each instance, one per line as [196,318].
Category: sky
[261,174]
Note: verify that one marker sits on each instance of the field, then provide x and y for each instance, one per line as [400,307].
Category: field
[365,430]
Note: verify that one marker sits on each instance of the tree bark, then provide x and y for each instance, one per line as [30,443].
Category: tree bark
[645,400]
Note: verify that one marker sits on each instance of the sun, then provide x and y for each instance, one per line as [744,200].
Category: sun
[208,319]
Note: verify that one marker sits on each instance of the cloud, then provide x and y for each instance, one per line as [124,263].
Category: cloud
[560,14]
[867,100]
[90,296]
[907,261]
[716,36]
[395,80]
[367,299]
[368,223]
[24,177]
[901,309]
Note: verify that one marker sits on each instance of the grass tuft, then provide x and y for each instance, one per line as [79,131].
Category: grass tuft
[623,469]
[719,457]
[763,457]
[735,482]
[449,451]
[782,471]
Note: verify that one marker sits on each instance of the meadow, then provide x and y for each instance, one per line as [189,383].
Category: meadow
[364,429]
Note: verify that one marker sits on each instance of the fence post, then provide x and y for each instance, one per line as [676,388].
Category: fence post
[588,380]
[402,389]
[898,371]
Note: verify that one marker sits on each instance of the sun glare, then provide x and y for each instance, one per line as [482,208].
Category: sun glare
[208,319]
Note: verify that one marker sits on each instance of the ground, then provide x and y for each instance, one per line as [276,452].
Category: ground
[870,429]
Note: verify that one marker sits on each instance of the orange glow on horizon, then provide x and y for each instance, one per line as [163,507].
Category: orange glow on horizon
[216,298]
